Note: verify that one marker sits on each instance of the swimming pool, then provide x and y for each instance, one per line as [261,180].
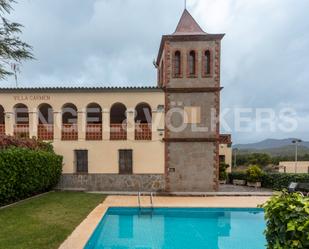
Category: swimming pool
[180,228]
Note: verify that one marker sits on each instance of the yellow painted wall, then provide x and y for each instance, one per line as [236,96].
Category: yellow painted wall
[289,167]
[148,156]
[226,151]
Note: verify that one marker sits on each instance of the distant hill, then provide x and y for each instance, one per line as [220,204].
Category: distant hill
[280,151]
[271,144]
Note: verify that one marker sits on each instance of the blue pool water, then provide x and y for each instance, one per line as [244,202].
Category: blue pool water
[180,228]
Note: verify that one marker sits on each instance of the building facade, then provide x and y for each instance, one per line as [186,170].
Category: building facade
[164,138]
[294,167]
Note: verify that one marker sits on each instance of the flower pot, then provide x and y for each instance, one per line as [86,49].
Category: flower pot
[222,181]
[239,182]
[254,184]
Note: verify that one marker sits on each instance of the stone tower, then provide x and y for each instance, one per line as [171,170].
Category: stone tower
[189,72]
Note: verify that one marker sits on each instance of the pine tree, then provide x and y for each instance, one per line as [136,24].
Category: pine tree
[12,48]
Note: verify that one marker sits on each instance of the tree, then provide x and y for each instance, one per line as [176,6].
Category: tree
[12,49]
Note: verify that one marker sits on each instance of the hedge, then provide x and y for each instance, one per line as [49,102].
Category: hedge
[287,220]
[30,143]
[25,172]
[238,175]
[279,181]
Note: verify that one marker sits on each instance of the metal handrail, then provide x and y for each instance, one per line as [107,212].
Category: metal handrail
[139,199]
[151,199]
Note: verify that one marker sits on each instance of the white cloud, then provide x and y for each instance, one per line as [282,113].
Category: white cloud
[265,62]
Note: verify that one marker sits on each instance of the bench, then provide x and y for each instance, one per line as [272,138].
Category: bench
[302,187]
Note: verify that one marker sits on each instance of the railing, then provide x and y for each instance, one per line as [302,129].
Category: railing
[69,132]
[118,132]
[21,130]
[2,129]
[143,132]
[46,131]
[94,132]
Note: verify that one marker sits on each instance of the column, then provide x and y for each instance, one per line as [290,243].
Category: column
[158,124]
[57,125]
[81,124]
[106,124]
[33,123]
[9,123]
[130,124]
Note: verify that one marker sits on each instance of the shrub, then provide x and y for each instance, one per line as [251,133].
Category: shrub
[222,171]
[287,219]
[30,143]
[237,175]
[279,181]
[254,174]
[25,172]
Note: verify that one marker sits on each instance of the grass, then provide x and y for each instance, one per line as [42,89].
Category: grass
[45,222]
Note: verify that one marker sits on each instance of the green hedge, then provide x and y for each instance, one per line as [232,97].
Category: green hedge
[25,172]
[287,219]
[238,175]
[280,181]
[277,181]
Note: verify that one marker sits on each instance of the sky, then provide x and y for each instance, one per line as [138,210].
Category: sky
[265,58]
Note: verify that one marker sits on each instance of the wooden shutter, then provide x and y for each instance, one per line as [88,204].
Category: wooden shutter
[125,162]
[81,157]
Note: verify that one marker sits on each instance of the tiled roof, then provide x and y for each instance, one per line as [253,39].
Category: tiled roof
[188,26]
[81,89]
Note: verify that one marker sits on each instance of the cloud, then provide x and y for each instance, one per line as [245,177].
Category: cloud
[265,62]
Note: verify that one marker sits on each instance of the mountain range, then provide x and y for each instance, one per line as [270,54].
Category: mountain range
[270,144]
[274,147]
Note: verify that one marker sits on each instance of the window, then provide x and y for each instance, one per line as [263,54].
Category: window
[125,162]
[94,122]
[222,159]
[81,161]
[118,122]
[143,121]
[192,63]
[2,121]
[207,63]
[69,122]
[177,64]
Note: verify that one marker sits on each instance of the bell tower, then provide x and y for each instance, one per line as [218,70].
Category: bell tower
[188,66]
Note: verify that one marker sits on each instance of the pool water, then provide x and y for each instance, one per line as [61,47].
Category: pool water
[179,228]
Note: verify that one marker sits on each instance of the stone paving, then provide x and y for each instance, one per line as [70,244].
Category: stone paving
[236,188]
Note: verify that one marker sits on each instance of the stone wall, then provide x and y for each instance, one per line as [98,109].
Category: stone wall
[113,182]
[194,167]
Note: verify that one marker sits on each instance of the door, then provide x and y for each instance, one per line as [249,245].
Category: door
[125,162]
[81,159]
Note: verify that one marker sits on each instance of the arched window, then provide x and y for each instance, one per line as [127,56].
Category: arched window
[192,63]
[177,64]
[69,122]
[118,124]
[94,122]
[143,120]
[45,114]
[2,121]
[21,127]
[207,63]
[46,121]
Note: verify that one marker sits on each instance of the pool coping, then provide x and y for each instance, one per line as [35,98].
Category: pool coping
[84,230]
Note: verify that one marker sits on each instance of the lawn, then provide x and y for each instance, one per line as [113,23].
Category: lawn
[45,222]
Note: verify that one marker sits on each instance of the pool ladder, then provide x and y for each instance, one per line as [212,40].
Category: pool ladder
[140,205]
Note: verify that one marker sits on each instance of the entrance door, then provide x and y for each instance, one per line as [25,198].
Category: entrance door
[125,162]
[81,159]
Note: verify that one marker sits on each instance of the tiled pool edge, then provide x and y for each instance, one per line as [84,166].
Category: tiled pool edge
[83,232]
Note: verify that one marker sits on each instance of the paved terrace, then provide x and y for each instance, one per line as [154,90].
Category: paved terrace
[82,233]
